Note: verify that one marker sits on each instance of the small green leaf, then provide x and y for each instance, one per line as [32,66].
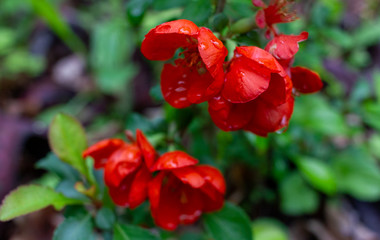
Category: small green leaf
[357,174]
[75,229]
[52,164]
[30,198]
[296,197]
[197,11]
[318,174]
[231,222]
[376,82]
[67,139]
[131,232]
[105,218]
[55,21]
[269,229]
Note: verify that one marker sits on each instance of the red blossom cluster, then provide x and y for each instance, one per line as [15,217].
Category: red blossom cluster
[178,189]
[252,91]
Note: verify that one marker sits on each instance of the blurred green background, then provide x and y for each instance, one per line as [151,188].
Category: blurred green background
[320,179]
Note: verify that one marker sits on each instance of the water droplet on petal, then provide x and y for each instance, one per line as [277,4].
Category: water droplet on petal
[184,30]
[180,89]
[203,46]
[163,28]
[217,44]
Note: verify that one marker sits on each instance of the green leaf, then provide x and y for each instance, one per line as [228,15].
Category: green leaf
[197,11]
[318,174]
[105,218]
[231,222]
[371,114]
[296,197]
[136,10]
[376,82]
[75,229]
[67,139]
[55,21]
[131,232]
[52,164]
[269,229]
[30,198]
[357,174]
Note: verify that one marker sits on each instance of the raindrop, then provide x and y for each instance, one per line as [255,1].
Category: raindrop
[184,30]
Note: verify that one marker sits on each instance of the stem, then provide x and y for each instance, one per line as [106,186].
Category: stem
[220,6]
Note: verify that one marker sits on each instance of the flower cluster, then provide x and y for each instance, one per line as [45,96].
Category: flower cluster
[252,91]
[179,191]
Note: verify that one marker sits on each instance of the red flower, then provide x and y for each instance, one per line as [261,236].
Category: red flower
[284,48]
[181,191]
[276,12]
[256,95]
[199,74]
[126,168]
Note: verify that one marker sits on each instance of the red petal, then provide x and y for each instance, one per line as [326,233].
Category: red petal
[172,160]
[213,53]
[212,199]
[214,177]
[162,41]
[280,88]
[191,205]
[269,118]
[122,163]
[132,191]
[244,82]
[167,213]
[139,187]
[183,86]
[284,47]
[260,19]
[189,175]
[305,80]
[154,189]
[261,59]
[120,194]
[229,116]
[102,150]
[147,149]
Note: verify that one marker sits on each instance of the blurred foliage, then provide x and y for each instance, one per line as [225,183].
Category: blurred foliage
[331,148]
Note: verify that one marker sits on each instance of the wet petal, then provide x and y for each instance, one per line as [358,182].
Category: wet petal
[102,150]
[189,175]
[213,54]
[259,58]
[213,176]
[305,80]
[284,47]
[191,205]
[258,3]
[154,189]
[269,118]
[229,116]
[280,88]
[260,19]
[244,82]
[172,160]
[162,41]
[122,163]
[139,187]
[120,194]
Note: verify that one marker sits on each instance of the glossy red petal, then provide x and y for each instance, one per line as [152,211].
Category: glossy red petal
[139,187]
[284,47]
[229,116]
[213,176]
[305,80]
[244,82]
[269,118]
[279,90]
[154,189]
[147,149]
[191,205]
[259,58]
[190,175]
[120,194]
[102,150]
[260,19]
[167,213]
[162,41]
[213,53]
[172,160]
[122,163]
[212,199]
